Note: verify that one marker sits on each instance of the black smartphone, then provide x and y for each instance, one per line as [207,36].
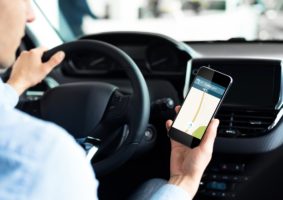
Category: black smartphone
[207,91]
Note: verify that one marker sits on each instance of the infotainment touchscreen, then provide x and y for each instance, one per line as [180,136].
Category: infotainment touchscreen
[256,81]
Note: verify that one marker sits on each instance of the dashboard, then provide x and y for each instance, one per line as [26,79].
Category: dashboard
[154,54]
[251,114]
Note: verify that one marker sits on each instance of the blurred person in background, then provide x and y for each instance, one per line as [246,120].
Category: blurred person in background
[74,11]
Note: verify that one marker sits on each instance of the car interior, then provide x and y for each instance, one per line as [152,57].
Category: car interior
[116,89]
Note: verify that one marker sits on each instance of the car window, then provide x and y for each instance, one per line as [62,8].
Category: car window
[186,20]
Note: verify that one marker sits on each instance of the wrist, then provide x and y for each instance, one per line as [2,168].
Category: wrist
[187,183]
[18,87]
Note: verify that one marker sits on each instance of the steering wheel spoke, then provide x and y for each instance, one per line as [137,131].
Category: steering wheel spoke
[117,108]
[114,117]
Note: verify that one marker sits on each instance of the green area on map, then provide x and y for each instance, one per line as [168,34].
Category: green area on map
[199,132]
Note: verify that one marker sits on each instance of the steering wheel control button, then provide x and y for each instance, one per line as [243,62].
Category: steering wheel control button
[118,106]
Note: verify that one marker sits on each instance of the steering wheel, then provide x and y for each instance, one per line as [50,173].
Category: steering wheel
[100,110]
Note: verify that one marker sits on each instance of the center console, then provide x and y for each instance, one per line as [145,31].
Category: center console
[250,121]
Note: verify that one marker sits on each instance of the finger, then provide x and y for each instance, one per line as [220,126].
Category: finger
[38,51]
[56,59]
[177,108]
[43,49]
[210,135]
[168,124]
[173,142]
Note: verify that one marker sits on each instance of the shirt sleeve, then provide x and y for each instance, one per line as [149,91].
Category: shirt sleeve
[66,174]
[11,96]
[171,192]
[41,161]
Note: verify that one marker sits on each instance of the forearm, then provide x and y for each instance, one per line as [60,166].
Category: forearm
[189,184]
[17,86]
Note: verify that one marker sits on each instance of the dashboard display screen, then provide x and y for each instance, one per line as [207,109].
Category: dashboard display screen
[256,82]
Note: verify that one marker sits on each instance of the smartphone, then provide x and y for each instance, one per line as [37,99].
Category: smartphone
[207,91]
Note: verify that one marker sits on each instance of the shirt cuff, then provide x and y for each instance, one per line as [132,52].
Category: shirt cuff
[12,97]
[171,192]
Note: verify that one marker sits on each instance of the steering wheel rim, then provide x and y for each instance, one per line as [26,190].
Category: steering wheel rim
[140,100]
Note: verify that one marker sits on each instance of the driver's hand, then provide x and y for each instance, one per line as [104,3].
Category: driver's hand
[29,70]
[187,165]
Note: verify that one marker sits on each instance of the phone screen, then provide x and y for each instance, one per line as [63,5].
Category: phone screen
[199,107]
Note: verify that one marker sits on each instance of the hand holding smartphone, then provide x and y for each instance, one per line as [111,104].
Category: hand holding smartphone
[201,104]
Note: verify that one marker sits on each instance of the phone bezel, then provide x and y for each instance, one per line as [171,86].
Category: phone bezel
[216,77]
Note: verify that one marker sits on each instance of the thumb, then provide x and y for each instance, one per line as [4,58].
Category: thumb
[168,124]
[55,60]
[210,135]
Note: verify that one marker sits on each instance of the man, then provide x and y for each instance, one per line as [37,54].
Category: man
[39,160]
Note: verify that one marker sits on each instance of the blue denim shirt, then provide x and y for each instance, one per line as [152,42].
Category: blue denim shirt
[41,161]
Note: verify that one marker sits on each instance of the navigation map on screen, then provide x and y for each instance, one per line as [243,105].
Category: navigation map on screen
[199,106]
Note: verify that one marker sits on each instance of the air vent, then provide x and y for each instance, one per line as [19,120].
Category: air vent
[245,123]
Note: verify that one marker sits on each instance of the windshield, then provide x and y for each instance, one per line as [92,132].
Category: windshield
[183,20]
